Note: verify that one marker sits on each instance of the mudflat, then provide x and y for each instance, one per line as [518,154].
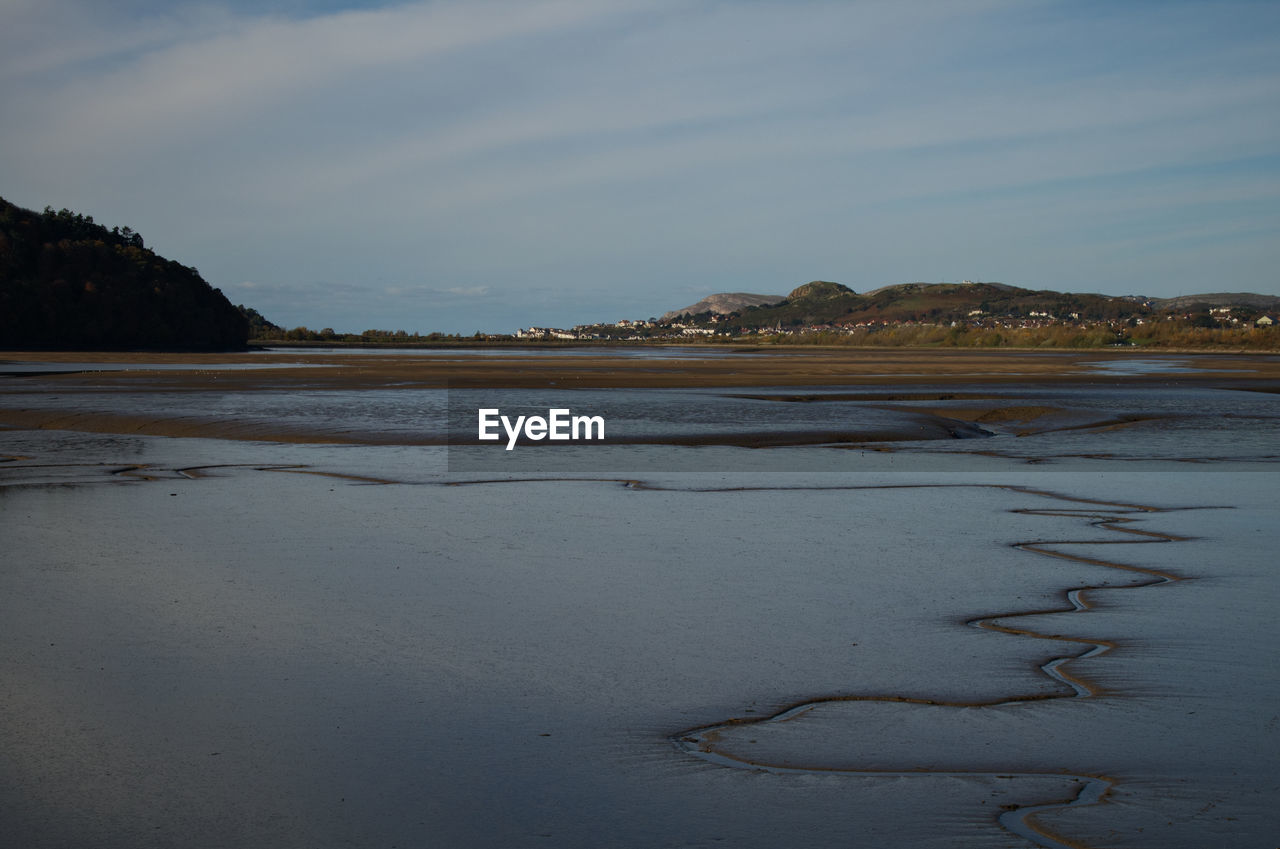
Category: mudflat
[1002,624]
[613,368]
[74,390]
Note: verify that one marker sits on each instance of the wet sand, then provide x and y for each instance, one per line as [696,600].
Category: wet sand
[224,641]
[722,743]
[210,654]
[745,367]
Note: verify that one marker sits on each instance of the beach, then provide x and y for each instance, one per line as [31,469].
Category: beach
[821,598]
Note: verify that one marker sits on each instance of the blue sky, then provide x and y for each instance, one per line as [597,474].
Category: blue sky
[478,165]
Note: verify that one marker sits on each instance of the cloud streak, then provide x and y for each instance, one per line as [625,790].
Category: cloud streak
[180,82]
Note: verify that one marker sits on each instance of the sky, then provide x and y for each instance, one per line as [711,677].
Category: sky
[487,165]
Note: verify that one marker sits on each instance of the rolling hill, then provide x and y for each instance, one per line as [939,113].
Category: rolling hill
[722,304]
[825,303]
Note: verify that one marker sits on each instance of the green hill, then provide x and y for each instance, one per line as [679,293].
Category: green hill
[819,289]
[822,303]
[66,282]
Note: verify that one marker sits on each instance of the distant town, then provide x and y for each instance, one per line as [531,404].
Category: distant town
[931,313]
[967,314]
[648,330]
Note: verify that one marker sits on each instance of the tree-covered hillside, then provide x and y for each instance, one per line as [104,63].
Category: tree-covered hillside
[66,282]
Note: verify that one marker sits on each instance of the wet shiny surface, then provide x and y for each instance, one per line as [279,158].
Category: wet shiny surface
[217,642]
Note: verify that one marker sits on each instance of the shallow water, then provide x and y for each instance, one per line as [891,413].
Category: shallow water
[214,643]
[1134,365]
[1186,422]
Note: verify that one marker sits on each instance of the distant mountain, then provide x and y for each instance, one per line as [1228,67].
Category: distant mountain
[819,289]
[826,303]
[66,282]
[723,304]
[915,287]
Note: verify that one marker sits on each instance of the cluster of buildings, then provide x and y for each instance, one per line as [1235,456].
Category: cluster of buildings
[625,330]
[641,330]
[1223,315]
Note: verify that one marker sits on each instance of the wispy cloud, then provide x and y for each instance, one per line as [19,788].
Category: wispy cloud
[183,76]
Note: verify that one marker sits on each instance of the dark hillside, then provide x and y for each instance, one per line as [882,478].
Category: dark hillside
[66,282]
